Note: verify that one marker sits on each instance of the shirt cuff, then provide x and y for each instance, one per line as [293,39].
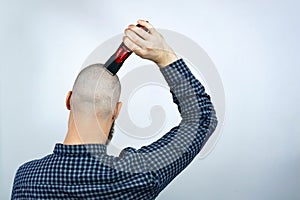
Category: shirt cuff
[175,72]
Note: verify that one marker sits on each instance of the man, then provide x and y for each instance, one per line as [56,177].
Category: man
[80,168]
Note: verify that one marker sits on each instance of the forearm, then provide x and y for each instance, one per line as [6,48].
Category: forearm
[185,141]
[193,103]
[198,118]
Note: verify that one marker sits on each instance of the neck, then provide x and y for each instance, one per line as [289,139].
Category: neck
[85,132]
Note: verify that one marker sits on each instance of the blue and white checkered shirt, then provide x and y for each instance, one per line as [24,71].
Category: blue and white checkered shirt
[87,172]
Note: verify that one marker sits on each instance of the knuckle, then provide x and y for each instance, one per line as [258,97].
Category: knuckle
[135,39]
[148,48]
[143,52]
[126,31]
[124,38]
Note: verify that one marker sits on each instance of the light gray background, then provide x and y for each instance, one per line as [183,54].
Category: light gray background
[254,45]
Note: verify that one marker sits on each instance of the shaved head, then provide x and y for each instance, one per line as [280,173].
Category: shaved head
[94,98]
[95,91]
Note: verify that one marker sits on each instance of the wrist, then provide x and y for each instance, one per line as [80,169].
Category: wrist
[167,60]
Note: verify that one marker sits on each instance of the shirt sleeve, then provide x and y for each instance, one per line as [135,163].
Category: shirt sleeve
[170,154]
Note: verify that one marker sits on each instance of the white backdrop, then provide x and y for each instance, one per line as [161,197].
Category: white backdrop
[254,45]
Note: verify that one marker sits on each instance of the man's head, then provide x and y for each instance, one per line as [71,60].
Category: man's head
[94,104]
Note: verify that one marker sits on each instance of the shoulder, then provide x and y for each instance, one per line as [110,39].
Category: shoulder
[32,164]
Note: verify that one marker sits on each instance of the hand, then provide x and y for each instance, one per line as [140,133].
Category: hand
[151,46]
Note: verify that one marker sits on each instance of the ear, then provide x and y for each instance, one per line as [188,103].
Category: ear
[68,99]
[117,110]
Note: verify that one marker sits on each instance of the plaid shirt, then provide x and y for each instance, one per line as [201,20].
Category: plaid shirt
[87,172]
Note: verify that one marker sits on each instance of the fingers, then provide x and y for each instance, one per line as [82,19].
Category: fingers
[132,34]
[141,32]
[131,45]
[138,40]
[147,25]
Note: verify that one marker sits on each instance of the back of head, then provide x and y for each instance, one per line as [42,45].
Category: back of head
[95,93]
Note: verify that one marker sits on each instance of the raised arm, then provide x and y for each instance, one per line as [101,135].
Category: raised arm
[169,155]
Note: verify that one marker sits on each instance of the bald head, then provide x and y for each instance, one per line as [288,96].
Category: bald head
[95,92]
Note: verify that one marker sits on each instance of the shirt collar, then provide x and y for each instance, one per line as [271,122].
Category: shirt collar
[81,149]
